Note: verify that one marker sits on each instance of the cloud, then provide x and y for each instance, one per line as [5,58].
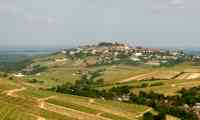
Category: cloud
[9,9]
[177,3]
[169,7]
[53,20]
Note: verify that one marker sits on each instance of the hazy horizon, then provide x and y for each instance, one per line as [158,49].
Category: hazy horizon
[60,24]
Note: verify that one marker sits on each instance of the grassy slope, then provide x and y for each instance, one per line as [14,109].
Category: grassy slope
[57,72]
[170,87]
[115,109]
[19,108]
[26,106]
[64,72]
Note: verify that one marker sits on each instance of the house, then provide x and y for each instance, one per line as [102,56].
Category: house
[94,51]
[163,61]
[60,59]
[197,106]
[153,62]
[63,52]
[72,53]
[19,75]
[136,59]
[116,53]
[91,61]
[38,74]
[116,59]
[122,98]
[118,47]
[138,54]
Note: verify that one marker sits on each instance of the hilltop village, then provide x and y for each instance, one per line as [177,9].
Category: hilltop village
[110,53]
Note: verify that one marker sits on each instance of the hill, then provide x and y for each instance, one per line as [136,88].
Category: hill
[32,88]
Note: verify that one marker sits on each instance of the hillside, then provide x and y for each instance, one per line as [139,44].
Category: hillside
[70,86]
[22,102]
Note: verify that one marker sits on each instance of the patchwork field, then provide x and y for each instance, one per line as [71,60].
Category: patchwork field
[67,71]
[189,76]
[118,73]
[167,87]
[170,87]
[56,76]
[123,73]
[22,103]
[22,100]
[174,77]
[83,107]
[155,75]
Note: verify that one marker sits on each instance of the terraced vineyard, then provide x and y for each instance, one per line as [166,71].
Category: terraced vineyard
[83,107]
[23,108]
[22,103]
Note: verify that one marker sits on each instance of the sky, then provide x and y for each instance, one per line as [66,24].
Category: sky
[62,23]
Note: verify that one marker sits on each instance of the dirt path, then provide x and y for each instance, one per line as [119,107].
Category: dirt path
[146,111]
[56,108]
[138,77]
[99,114]
[72,112]
[188,76]
[47,98]
[40,118]
[13,92]
[68,111]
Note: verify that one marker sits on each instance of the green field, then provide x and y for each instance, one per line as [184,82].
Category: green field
[167,87]
[82,104]
[25,105]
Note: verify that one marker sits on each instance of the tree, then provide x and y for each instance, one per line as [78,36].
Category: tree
[160,116]
[148,116]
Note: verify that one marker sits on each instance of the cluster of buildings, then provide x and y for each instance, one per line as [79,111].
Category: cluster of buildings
[107,53]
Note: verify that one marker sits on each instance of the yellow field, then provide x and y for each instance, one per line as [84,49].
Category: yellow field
[170,87]
[117,73]
[37,104]
[86,107]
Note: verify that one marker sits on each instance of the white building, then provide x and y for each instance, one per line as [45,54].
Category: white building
[60,59]
[138,54]
[135,59]
[153,63]
[19,75]
[63,52]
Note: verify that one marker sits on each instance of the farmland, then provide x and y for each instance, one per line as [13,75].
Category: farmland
[171,80]
[54,106]
[175,78]
[31,93]
[82,105]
